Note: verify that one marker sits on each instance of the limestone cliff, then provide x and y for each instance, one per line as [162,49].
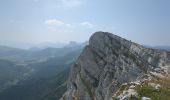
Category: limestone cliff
[110,61]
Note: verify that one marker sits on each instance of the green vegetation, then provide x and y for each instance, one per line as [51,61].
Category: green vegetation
[46,80]
[156,94]
[148,91]
[11,73]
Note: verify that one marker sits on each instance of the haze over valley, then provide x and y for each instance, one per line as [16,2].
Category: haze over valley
[84,50]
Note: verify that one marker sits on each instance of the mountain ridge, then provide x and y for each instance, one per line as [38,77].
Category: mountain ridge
[110,61]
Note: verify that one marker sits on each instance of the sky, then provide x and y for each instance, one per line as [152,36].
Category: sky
[38,21]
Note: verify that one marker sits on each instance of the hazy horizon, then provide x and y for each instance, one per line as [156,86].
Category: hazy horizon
[31,22]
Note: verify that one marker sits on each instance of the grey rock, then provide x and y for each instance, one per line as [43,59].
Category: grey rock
[145,98]
[108,62]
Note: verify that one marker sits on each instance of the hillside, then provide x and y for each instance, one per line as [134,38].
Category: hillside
[37,79]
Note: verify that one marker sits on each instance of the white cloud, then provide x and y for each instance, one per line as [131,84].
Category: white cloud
[71,3]
[87,24]
[54,22]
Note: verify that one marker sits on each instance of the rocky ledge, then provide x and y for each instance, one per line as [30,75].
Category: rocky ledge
[111,67]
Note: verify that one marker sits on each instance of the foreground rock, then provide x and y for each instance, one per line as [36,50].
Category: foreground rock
[110,61]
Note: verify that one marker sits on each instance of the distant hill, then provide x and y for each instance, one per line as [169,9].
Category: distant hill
[11,53]
[22,55]
[162,47]
[41,75]
[11,73]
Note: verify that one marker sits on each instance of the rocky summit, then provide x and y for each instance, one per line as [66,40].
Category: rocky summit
[113,68]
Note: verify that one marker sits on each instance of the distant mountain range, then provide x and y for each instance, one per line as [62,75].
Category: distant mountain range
[162,47]
[42,73]
[16,54]
[35,74]
[43,45]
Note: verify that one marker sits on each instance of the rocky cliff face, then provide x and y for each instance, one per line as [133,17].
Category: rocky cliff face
[110,61]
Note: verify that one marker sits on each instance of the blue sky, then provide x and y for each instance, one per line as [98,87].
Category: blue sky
[37,21]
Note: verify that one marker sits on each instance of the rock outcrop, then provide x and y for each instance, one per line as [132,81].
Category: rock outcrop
[110,61]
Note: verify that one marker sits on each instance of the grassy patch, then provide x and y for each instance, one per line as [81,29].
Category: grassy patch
[161,94]
[148,91]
